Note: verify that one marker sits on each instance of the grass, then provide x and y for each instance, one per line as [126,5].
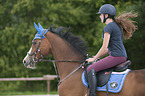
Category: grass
[27,93]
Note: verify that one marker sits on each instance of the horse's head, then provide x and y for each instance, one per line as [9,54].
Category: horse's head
[40,48]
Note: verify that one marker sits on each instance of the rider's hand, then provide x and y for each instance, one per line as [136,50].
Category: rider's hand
[90,60]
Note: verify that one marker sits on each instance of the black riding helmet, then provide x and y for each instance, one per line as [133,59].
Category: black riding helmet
[107,9]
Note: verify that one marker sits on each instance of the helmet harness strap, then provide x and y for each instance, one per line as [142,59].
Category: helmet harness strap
[105,18]
[109,16]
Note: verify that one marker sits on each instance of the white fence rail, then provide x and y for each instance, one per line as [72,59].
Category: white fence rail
[45,77]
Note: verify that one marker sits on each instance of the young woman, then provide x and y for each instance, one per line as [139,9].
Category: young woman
[113,33]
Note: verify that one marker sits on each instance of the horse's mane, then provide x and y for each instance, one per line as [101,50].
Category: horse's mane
[75,41]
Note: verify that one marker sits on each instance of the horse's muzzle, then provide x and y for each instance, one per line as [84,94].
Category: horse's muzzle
[29,62]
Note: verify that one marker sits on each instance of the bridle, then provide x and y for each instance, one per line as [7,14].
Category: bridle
[35,59]
[35,52]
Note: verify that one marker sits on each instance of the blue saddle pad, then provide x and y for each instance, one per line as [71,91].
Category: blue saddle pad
[115,82]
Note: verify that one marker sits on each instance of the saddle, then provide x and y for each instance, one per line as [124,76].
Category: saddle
[104,75]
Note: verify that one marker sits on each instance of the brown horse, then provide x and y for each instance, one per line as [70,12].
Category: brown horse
[67,51]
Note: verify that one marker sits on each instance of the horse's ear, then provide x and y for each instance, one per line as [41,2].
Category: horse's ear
[40,26]
[36,27]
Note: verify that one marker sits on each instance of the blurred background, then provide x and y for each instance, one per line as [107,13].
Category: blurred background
[17,31]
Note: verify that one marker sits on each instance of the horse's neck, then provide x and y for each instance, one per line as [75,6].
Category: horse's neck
[62,50]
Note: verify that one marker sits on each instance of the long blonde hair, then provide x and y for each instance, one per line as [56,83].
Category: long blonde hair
[126,24]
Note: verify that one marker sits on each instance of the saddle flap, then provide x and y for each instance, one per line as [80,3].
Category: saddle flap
[103,77]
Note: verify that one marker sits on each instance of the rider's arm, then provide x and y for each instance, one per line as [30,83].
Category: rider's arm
[103,50]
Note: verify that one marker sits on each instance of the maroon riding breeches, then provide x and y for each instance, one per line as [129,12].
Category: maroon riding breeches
[105,63]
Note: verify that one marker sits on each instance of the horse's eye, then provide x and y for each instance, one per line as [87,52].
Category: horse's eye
[34,43]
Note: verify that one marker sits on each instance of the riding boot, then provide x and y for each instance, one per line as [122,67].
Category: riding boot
[92,80]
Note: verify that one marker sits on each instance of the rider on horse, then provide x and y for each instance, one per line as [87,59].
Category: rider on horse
[113,33]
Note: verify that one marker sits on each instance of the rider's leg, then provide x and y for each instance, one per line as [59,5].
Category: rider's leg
[92,80]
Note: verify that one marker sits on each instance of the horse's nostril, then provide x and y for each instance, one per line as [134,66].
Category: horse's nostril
[24,62]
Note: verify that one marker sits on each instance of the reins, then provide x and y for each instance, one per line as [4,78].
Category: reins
[54,64]
[60,60]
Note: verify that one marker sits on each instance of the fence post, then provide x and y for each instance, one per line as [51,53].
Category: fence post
[48,78]
[48,86]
